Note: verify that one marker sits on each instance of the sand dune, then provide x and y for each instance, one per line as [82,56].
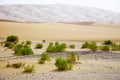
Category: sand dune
[61,31]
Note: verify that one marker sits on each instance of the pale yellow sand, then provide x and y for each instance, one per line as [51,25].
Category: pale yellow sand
[61,31]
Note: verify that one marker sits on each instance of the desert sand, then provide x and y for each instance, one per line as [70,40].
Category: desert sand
[91,66]
[61,31]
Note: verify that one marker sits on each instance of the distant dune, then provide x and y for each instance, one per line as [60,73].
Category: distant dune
[61,31]
[56,13]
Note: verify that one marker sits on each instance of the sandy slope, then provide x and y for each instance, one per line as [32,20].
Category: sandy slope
[61,31]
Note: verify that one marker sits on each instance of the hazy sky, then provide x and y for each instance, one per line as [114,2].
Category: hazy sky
[113,5]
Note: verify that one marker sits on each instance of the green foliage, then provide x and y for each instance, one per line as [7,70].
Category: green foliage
[71,58]
[9,44]
[44,57]
[18,65]
[12,38]
[62,64]
[22,49]
[28,42]
[29,69]
[43,41]
[85,45]
[72,46]
[108,42]
[56,48]
[105,48]
[93,46]
[8,64]
[39,46]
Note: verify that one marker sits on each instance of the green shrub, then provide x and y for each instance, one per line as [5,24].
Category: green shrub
[28,42]
[93,46]
[71,58]
[39,46]
[72,46]
[9,44]
[51,44]
[12,38]
[18,65]
[56,48]
[21,50]
[62,64]
[56,43]
[114,47]
[44,57]
[43,41]
[85,45]
[29,69]
[78,57]
[8,64]
[108,42]
[105,48]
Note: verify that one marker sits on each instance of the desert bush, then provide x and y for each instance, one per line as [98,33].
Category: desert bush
[8,64]
[1,43]
[29,69]
[44,57]
[21,50]
[9,44]
[39,46]
[72,46]
[12,38]
[28,42]
[51,44]
[105,48]
[56,43]
[62,64]
[56,48]
[71,57]
[85,45]
[108,42]
[78,57]
[114,47]
[93,46]
[43,41]
[18,65]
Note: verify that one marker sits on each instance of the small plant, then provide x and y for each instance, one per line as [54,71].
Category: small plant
[8,64]
[72,46]
[78,57]
[108,42]
[18,65]
[44,41]
[85,45]
[62,64]
[105,48]
[44,57]
[39,46]
[56,48]
[28,42]
[114,47]
[72,58]
[12,38]
[93,46]
[22,49]
[29,69]
[9,44]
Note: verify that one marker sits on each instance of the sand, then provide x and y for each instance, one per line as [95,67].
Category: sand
[61,31]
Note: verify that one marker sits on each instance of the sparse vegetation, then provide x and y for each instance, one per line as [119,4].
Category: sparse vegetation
[12,38]
[93,46]
[39,46]
[108,42]
[72,46]
[56,48]
[8,64]
[44,41]
[22,49]
[105,48]
[85,45]
[71,58]
[29,69]
[9,44]
[44,57]
[28,42]
[18,65]
[62,64]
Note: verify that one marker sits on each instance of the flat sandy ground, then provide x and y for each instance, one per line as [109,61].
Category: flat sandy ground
[91,66]
[61,31]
